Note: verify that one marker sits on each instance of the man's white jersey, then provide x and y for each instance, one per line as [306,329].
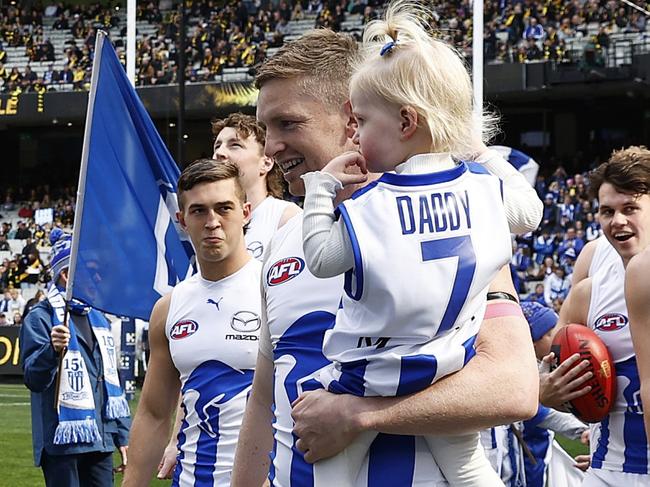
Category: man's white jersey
[604,256]
[264,222]
[426,248]
[213,333]
[299,309]
[619,442]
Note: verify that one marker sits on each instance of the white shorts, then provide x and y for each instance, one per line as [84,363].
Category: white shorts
[597,477]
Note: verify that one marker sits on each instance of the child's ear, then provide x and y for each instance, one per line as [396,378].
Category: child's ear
[409,121]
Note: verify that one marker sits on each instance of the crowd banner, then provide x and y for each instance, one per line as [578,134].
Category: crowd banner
[128,248]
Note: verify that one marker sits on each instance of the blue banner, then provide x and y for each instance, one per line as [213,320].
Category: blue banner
[130,249]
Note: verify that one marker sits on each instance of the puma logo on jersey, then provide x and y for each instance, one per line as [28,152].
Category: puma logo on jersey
[183,329]
[216,303]
[284,270]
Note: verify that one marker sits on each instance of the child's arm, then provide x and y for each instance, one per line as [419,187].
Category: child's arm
[523,207]
[326,243]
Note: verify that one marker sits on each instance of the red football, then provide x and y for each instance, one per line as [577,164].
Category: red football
[595,405]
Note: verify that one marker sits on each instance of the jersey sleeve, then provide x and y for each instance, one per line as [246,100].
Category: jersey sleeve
[327,247]
[523,206]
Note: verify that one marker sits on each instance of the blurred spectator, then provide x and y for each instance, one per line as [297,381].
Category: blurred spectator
[537,295]
[16,302]
[556,285]
[17,319]
[533,30]
[4,301]
[3,320]
[570,240]
[23,232]
[38,297]
[4,245]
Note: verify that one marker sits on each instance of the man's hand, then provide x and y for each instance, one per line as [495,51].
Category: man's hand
[123,455]
[564,383]
[582,462]
[60,337]
[168,462]
[343,168]
[324,423]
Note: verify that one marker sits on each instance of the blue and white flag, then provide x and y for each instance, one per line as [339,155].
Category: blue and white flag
[523,163]
[128,248]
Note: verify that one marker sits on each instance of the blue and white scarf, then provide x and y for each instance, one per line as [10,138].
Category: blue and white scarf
[77,421]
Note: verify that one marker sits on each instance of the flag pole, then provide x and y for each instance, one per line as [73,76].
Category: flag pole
[76,227]
[477,58]
[130,40]
[81,187]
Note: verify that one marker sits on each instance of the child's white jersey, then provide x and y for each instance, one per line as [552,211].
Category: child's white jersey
[213,333]
[426,248]
[264,222]
[299,309]
[618,442]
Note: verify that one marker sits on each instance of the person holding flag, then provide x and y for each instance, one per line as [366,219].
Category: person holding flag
[77,425]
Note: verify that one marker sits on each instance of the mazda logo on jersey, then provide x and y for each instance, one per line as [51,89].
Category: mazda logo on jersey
[611,322]
[183,329]
[256,249]
[284,270]
[245,321]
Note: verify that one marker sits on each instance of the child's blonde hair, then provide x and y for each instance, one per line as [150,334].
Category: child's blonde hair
[423,72]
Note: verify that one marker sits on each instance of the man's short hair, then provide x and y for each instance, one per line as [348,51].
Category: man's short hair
[628,170]
[209,171]
[245,126]
[323,61]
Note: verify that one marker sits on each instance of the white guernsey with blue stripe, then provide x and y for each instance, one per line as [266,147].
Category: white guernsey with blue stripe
[299,309]
[426,248]
[213,333]
[618,443]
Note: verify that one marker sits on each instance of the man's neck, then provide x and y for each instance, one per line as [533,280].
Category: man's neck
[215,271]
[256,194]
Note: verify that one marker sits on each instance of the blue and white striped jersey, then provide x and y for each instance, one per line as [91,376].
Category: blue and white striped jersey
[619,442]
[299,309]
[213,333]
[426,247]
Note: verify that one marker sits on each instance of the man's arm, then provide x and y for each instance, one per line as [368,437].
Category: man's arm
[256,434]
[498,386]
[638,308]
[150,430]
[38,357]
[170,455]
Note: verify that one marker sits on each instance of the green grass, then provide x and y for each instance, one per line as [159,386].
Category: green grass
[572,447]
[17,466]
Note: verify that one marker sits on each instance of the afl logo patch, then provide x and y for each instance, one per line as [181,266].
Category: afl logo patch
[183,329]
[284,270]
[245,321]
[611,322]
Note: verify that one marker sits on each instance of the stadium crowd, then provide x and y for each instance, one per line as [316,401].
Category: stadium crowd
[240,33]
[25,247]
